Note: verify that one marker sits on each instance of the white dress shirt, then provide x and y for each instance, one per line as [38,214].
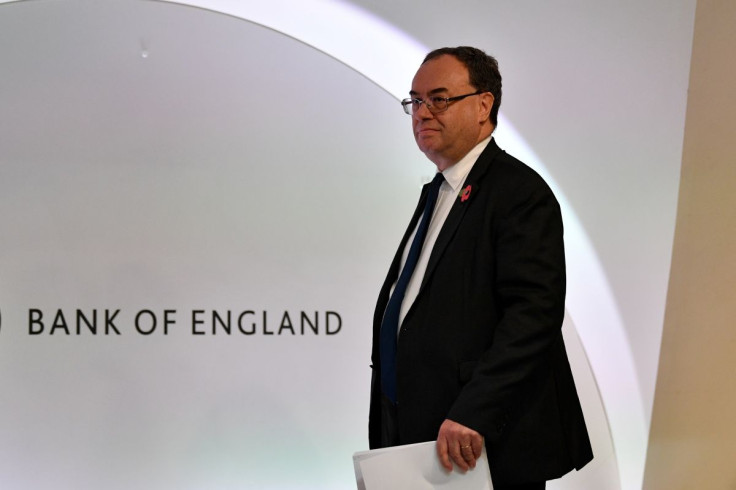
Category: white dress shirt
[455,176]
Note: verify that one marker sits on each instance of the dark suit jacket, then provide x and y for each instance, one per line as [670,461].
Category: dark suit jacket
[482,344]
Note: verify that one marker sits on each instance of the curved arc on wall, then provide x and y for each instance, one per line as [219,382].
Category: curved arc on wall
[329,27]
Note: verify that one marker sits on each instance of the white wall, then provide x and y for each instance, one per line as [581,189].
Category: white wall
[168,157]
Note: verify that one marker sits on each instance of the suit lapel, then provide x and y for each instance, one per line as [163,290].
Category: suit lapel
[459,207]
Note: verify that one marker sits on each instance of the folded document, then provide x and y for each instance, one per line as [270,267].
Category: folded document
[416,466]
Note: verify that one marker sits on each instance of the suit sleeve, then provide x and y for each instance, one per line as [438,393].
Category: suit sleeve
[529,290]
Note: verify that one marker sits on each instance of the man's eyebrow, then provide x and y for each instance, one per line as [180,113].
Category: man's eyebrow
[431,92]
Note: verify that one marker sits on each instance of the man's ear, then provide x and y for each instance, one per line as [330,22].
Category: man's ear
[486,103]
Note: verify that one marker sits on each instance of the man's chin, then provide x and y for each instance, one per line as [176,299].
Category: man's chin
[427,143]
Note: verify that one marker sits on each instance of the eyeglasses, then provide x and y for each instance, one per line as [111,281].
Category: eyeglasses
[434,103]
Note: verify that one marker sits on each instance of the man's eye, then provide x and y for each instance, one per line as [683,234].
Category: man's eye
[436,100]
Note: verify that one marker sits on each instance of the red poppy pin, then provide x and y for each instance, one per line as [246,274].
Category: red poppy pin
[465,193]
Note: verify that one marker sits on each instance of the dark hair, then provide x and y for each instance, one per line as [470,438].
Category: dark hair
[482,68]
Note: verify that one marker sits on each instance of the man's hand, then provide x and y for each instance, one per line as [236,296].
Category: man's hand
[459,444]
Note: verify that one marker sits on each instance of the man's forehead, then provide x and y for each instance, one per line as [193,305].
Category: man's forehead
[442,74]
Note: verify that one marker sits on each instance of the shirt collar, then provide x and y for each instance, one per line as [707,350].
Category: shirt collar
[455,175]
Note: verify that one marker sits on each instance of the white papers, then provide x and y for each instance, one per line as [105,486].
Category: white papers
[416,466]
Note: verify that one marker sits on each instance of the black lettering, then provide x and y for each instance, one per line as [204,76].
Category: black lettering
[34,318]
[59,322]
[286,323]
[327,322]
[168,321]
[138,325]
[266,331]
[240,323]
[110,322]
[196,321]
[83,319]
[314,326]
[216,318]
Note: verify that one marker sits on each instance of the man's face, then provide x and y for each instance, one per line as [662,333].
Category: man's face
[447,136]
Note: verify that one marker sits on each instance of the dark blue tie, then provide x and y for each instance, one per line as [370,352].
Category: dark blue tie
[390,324]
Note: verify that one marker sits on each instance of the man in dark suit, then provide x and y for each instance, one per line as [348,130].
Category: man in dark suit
[467,343]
